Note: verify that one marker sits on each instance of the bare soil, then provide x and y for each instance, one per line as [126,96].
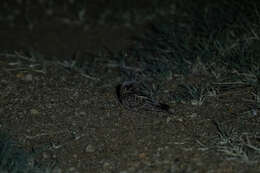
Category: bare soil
[78,123]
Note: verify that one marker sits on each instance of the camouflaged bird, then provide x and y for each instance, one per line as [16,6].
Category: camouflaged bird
[131,97]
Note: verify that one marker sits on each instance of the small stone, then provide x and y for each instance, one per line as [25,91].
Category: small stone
[106,165]
[82,113]
[193,115]
[31,162]
[195,102]
[34,112]
[28,77]
[90,149]
[45,155]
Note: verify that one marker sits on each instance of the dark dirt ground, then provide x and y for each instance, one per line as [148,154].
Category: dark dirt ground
[78,124]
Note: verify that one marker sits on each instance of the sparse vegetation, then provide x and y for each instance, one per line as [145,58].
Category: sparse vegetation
[16,160]
[200,57]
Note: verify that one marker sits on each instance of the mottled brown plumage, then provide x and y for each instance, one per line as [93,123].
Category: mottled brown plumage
[131,97]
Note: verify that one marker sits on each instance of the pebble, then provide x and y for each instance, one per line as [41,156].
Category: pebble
[90,148]
[28,77]
[34,111]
